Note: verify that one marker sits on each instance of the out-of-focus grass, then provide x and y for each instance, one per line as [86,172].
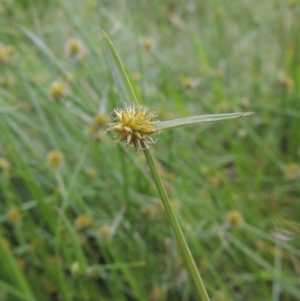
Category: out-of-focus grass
[94,228]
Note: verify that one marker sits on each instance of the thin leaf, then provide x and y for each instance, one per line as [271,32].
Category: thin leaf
[118,72]
[195,120]
[43,47]
[9,289]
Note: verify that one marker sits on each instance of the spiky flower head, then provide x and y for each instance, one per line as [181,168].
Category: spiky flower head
[4,164]
[55,159]
[106,232]
[6,53]
[57,90]
[234,218]
[75,48]
[83,221]
[134,126]
[14,215]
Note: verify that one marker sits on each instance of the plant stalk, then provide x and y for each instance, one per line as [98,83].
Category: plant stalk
[176,227]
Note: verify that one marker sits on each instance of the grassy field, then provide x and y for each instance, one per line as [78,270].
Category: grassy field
[80,219]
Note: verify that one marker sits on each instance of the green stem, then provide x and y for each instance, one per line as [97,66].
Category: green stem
[176,227]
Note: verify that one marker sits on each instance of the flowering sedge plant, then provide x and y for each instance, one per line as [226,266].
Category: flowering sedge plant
[134,125]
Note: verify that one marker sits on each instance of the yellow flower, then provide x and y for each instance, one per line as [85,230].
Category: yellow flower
[57,191]
[14,215]
[91,173]
[149,44]
[137,76]
[288,82]
[234,218]
[106,232]
[7,81]
[94,129]
[148,211]
[190,83]
[55,159]
[57,90]
[83,221]
[157,293]
[4,164]
[100,120]
[5,53]
[134,127]
[99,136]
[292,171]
[75,48]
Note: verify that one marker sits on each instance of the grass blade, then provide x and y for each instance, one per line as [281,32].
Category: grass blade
[195,120]
[14,274]
[118,72]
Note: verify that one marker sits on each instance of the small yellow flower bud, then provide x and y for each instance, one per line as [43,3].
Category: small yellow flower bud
[137,76]
[75,48]
[288,82]
[234,218]
[55,159]
[99,136]
[91,173]
[83,221]
[190,83]
[57,191]
[7,81]
[4,164]
[159,209]
[106,232]
[157,293]
[95,128]
[6,53]
[14,215]
[57,90]
[149,44]
[292,171]
[148,211]
[100,120]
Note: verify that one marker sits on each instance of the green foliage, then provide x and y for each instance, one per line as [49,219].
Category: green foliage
[94,229]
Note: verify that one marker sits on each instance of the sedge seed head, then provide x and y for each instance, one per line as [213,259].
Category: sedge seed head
[234,218]
[83,221]
[149,44]
[292,171]
[14,215]
[148,211]
[157,293]
[95,128]
[75,48]
[4,164]
[57,90]
[100,120]
[92,173]
[55,159]
[6,53]
[106,232]
[7,81]
[134,126]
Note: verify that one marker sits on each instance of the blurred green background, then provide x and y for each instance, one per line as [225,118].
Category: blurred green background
[80,219]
